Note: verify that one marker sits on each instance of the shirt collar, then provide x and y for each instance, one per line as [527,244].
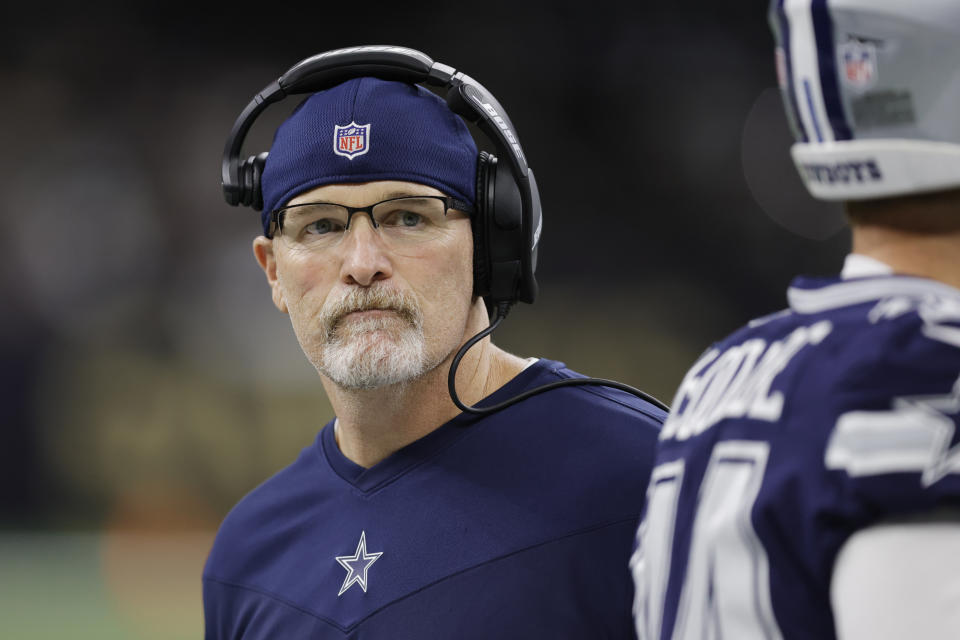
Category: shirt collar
[858,265]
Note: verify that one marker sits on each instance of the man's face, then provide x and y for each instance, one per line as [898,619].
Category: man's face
[372,308]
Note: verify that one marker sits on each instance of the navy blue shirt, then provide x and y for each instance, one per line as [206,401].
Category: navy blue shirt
[785,439]
[513,525]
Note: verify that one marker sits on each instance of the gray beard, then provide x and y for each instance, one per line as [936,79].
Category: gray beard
[370,353]
[376,352]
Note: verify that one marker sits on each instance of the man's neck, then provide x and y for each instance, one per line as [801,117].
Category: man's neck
[928,255]
[374,423]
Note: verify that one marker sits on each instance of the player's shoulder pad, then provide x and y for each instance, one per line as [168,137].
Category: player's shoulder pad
[897,403]
[908,339]
[889,378]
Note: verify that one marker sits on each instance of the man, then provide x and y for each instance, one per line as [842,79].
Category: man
[407,518]
[807,482]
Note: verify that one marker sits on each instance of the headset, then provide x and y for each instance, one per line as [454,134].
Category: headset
[508,220]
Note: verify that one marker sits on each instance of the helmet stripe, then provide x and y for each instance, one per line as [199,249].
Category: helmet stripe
[781,26]
[805,70]
[827,62]
[813,111]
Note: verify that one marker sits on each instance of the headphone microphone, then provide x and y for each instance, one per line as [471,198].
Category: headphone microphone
[508,219]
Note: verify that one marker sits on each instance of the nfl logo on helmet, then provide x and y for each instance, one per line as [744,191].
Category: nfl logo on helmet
[351,140]
[859,64]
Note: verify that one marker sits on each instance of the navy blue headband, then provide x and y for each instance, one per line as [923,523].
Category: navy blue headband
[368,129]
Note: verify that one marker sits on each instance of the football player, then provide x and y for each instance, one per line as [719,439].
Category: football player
[807,482]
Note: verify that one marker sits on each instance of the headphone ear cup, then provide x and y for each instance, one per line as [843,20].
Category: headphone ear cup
[246,181]
[251,170]
[504,240]
[257,165]
[481,224]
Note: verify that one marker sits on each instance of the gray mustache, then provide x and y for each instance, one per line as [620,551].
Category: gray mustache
[404,304]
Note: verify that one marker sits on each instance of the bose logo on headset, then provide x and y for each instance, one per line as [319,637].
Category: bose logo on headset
[503,127]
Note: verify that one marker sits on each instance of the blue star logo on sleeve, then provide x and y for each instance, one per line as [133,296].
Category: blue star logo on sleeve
[357,565]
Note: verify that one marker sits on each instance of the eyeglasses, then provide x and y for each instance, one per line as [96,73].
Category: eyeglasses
[400,221]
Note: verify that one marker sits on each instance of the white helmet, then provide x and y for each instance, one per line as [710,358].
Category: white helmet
[872,92]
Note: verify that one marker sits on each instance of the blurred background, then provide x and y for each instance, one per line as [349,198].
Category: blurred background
[147,381]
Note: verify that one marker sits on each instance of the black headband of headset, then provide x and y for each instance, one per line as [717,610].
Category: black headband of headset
[465,96]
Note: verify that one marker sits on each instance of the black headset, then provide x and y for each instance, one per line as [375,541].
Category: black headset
[508,219]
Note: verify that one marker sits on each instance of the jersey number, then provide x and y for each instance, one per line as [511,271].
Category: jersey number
[726,590]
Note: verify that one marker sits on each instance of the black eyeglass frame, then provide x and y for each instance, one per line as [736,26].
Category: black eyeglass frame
[449,202]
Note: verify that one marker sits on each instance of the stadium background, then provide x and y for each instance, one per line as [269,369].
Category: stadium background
[147,381]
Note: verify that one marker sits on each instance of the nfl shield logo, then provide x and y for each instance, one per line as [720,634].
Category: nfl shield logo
[859,64]
[351,140]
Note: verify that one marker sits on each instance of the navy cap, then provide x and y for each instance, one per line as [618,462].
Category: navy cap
[368,129]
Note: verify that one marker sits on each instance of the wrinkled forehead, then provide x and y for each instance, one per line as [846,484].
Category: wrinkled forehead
[365,193]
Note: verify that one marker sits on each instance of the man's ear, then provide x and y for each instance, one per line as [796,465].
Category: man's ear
[267,259]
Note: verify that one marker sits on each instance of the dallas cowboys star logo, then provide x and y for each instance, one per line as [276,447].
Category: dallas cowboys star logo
[944,456]
[357,565]
[917,435]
